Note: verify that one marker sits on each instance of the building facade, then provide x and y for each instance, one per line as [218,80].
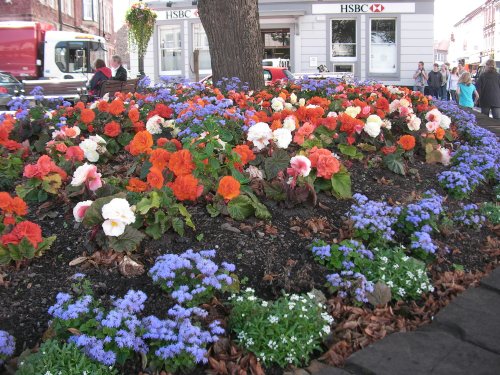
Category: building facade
[85,16]
[476,37]
[372,40]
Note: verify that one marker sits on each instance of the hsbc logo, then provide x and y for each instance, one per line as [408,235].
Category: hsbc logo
[377,8]
[361,8]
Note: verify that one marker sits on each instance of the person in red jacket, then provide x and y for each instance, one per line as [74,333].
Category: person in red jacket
[102,73]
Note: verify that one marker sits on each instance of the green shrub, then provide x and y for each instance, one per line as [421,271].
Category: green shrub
[56,358]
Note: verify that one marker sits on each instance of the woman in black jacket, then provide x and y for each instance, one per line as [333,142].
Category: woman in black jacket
[488,87]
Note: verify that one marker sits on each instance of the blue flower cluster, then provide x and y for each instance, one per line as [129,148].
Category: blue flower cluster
[178,336]
[191,276]
[373,220]
[426,211]
[421,240]
[7,346]
[66,309]
[469,216]
[475,162]
[351,282]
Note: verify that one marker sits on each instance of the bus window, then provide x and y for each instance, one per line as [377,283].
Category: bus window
[97,51]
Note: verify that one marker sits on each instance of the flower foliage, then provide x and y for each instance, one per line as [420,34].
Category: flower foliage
[286,331]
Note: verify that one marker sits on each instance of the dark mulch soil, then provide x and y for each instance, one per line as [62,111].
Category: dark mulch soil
[270,257]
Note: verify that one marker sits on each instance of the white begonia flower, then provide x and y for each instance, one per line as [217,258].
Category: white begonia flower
[293,98]
[302,102]
[277,104]
[445,122]
[80,174]
[255,172]
[373,125]
[154,124]
[414,123]
[311,106]
[101,143]
[387,124]
[353,111]
[282,137]
[289,106]
[89,148]
[169,124]
[118,210]
[289,123]
[260,134]
[113,228]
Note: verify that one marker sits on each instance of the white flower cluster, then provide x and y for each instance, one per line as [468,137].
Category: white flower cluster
[117,214]
[92,147]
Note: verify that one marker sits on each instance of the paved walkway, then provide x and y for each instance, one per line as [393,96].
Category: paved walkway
[463,339]
[489,123]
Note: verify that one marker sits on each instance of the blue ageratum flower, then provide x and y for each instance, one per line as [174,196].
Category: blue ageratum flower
[7,346]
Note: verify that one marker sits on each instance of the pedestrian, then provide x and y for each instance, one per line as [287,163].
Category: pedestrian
[465,90]
[461,67]
[445,73]
[488,87]
[452,84]
[119,72]
[102,73]
[420,78]
[435,80]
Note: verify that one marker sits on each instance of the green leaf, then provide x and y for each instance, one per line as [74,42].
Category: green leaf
[147,203]
[4,255]
[275,191]
[394,163]
[261,211]
[112,146]
[240,207]
[26,249]
[178,226]
[350,151]
[45,244]
[124,138]
[128,241]
[15,252]
[212,211]
[341,184]
[155,231]
[41,143]
[52,183]
[93,214]
[187,216]
[145,169]
[276,163]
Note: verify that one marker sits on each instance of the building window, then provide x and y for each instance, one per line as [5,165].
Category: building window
[343,40]
[107,19]
[170,49]
[50,3]
[67,7]
[200,42]
[91,10]
[343,68]
[383,47]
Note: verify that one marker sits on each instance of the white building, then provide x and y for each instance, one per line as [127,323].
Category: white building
[380,41]
[476,37]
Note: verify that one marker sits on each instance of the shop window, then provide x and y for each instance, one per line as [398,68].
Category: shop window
[200,42]
[383,47]
[170,50]
[343,40]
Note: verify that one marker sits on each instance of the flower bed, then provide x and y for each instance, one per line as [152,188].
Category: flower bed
[353,191]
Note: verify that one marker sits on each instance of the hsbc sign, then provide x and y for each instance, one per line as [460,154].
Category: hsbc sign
[363,8]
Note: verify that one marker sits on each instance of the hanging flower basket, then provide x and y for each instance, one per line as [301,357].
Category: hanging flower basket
[141,21]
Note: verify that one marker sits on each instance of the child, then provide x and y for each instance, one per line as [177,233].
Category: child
[465,90]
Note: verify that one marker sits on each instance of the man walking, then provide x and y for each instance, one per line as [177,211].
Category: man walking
[435,80]
[420,78]
[119,72]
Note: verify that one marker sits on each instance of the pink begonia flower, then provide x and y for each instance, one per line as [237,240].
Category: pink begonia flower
[300,166]
[366,110]
[80,209]
[87,174]
[404,111]
[434,116]
[432,126]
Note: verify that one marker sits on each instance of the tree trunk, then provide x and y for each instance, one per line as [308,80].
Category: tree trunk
[233,32]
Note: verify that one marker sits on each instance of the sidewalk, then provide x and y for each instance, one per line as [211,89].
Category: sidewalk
[463,339]
[489,123]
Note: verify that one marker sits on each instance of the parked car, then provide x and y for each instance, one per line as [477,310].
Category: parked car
[272,74]
[9,87]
